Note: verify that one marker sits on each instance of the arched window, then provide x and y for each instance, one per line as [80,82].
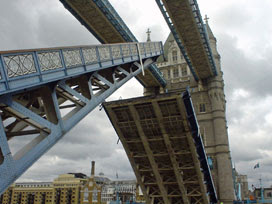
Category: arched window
[175,56]
[184,71]
[169,74]
[202,108]
[176,72]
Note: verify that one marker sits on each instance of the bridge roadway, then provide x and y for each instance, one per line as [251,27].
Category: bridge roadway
[185,22]
[161,137]
[101,19]
[35,85]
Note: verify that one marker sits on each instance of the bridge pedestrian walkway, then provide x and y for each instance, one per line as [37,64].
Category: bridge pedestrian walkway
[46,92]
[185,22]
[160,135]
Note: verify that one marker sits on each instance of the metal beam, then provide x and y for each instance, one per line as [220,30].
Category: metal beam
[194,154]
[102,20]
[185,22]
[58,89]
[130,156]
[171,153]
[149,153]
[25,69]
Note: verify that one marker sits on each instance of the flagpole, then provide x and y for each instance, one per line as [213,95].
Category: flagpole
[261,186]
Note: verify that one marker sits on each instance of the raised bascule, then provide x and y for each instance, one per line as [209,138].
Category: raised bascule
[46,92]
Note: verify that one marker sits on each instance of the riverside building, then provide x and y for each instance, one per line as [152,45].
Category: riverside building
[73,188]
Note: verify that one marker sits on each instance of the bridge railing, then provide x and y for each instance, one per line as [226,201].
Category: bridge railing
[21,69]
[201,29]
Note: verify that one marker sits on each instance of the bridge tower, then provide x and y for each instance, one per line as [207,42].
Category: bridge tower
[210,106]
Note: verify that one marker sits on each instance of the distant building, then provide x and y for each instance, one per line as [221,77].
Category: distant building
[64,189]
[267,193]
[102,190]
[73,188]
[67,187]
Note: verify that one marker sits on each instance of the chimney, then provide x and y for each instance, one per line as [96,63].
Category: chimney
[93,167]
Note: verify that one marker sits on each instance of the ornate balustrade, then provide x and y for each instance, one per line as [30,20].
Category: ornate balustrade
[22,69]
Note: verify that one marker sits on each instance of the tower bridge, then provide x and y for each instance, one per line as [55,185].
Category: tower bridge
[160,133]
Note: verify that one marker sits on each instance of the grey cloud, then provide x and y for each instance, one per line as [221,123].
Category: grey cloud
[37,23]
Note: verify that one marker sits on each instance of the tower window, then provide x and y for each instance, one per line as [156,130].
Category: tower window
[202,108]
[176,73]
[175,56]
[169,74]
[184,71]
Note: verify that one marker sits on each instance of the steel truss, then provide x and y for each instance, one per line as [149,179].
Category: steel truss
[102,20]
[47,111]
[161,137]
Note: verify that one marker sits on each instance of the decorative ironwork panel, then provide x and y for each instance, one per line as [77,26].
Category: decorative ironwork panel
[125,50]
[89,55]
[72,58]
[147,48]
[134,50]
[49,60]
[142,49]
[19,65]
[104,53]
[116,51]
[158,46]
[152,47]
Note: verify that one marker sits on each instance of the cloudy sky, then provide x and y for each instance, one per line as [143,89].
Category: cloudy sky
[243,32]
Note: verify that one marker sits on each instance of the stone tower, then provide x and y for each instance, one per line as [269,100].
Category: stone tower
[210,106]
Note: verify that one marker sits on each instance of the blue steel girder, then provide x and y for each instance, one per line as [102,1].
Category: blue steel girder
[102,20]
[47,103]
[175,34]
[194,12]
[25,69]
[191,116]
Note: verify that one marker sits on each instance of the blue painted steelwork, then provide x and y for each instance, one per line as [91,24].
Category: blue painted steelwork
[120,26]
[202,31]
[199,146]
[36,84]
[22,70]
[175,34]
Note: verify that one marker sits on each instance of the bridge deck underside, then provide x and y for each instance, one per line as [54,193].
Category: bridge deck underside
[157,139]
[94,20]
[184,21]
[108,27]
